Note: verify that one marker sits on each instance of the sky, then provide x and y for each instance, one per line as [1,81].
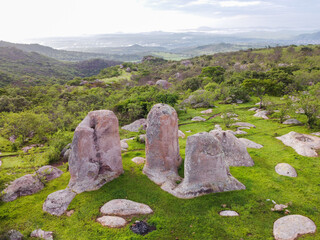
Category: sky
[29,19]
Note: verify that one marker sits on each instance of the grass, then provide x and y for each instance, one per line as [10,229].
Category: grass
[175,218]
[124,76]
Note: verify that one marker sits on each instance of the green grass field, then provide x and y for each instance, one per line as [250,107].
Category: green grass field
[175,218]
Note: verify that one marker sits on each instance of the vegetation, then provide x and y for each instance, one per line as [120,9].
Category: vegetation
[283,79]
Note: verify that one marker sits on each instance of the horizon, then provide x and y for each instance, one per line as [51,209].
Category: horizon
[36,19]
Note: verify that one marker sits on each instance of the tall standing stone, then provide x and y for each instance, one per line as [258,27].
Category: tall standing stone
[95,157]
[205,169]
[162,145]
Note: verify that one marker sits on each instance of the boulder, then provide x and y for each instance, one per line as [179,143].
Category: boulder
[207,111]
[303,144]
[138,160]
[39,233]
[124,145]
[142,138]
[253,109]
[198,119]
[124,207]
[238,132]
[250,144]
[228,213]
[261,114]
[142,228]
[23,186]
[95,158]
[112,222]
[136,125]
[235,151]
[58,202]
[292,122]
[162,145]
[48,173]
[293,226]
[286,169]
[181,134]
[164,84]
[14,235]
[243,124]
[205,169]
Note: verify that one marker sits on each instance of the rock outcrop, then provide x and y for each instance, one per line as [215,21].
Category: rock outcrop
[162,145]
[292,226]
[205,169]
[95,158]
[136,125]
[124,207]
[286,169]
[235,151]
[58,202]
[23,186]
[303,144]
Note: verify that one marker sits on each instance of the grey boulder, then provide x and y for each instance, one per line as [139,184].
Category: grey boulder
[136,125]
[286,169]
[58,202]
[124,207]
[48,173]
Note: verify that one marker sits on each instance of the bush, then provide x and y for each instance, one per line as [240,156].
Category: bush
[56,145]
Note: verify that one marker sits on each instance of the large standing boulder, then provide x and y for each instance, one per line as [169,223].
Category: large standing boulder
[205,169]
[95,158]
[58,202]
[303,144]
[23,186]
[48,173]
[136,125]
[235,151]
[292,226]
[162,145]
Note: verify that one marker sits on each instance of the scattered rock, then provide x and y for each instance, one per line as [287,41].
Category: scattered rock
[69,213]
[13,138]
[186,63]
[150,83]
[164,84]
[58,202]
[65,153]
[235,151]
[253,109]
[198,119]
[136,125]
[128,69]
[14,235]
[188,131]
[316,133]
[0,163]
[250,144]
[39,233]
[262,114]
[238,101]
[181,134]
[205,169]
[240,128]
[138,160]
[238,132]
[279,207]
[162,145]
[23,186]
[207,111]
[303,144]
[231,115]
[300,111]
[142,228]
[124,207]
[292,226]
[243,124]
[124,145]
[217,127]
[95,158]
[112,221]
[48,173]
[292,122]
[142,138]
[286,169]
[228,213]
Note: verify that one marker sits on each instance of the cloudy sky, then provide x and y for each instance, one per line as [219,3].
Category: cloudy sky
[25,19]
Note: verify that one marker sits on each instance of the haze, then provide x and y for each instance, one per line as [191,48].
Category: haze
[21,20]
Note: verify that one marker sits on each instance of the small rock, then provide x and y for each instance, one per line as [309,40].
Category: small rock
[69,213]
[253,109]
[292,122]
[274,202]
[198,119]
[206,111]
[124,145]
[279,207]
[138,160]
[243,124]
[39,233]
[164,84]
[250,144]
[292,226]
[58,202]
[14,235]
[261,114]
[142,228]
[181,134]
[224,205]
[112,222]
[228,213]
[48,173]
[12,138]
[286,169]
[239,132]
[316,133]
[239,101]
[188,131]
[142,138]
[124,207]
[231,115]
